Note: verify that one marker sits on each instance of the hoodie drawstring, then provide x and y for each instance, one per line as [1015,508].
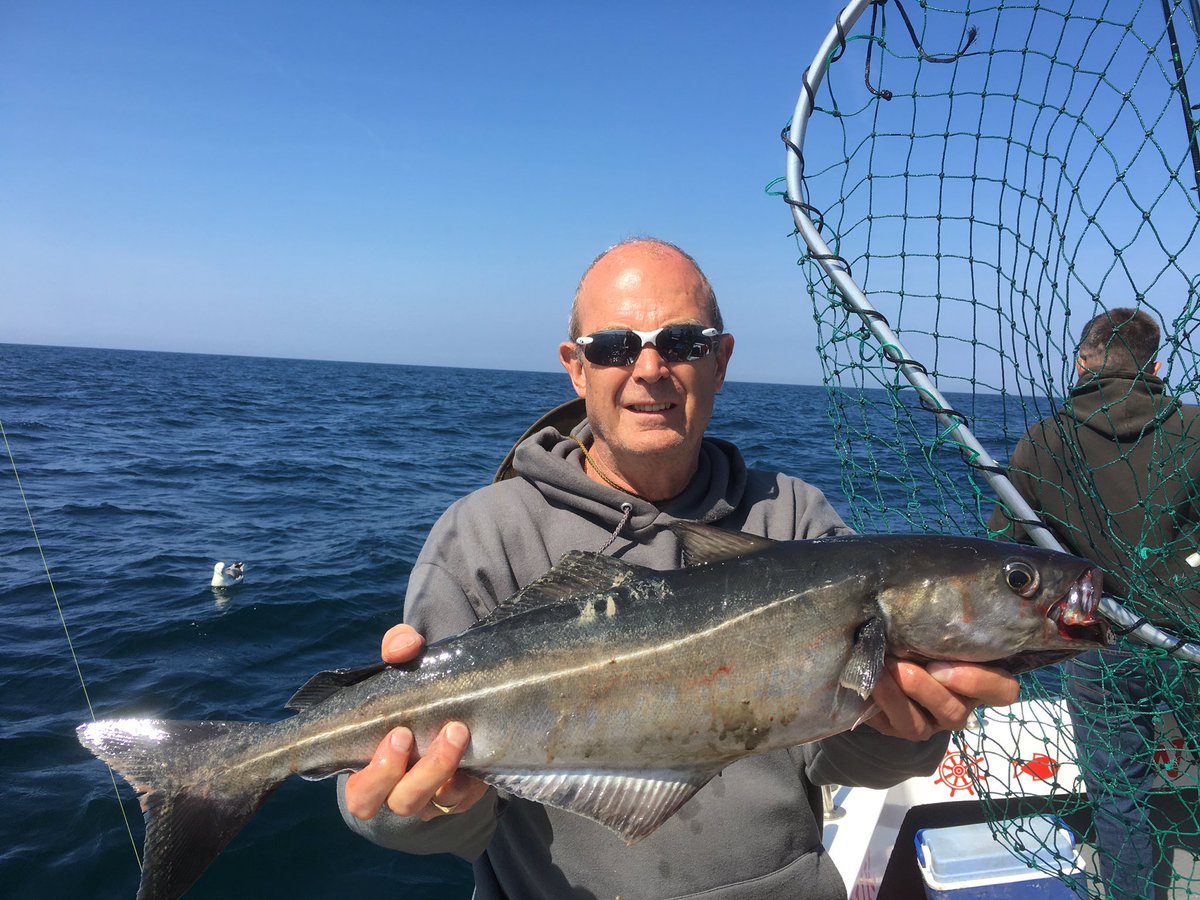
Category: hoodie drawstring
[627,512]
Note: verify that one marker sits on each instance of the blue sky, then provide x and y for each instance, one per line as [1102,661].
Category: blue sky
[424,183]
[390,182]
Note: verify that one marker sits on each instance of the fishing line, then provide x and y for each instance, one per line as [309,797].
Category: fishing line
[66,631]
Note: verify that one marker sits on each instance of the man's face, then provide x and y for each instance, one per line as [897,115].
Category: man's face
[652,411]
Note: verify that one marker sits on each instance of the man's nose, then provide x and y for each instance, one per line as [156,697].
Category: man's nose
[649,365]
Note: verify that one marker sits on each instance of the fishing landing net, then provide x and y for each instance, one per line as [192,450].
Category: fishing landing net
[972,184]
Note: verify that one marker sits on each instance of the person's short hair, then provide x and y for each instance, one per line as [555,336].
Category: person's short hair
[714,311]
[1120,339]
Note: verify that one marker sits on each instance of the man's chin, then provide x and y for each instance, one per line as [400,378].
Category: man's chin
[660,442]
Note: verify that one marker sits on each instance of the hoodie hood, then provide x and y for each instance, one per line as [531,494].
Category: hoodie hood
[1120,405]
[553,463]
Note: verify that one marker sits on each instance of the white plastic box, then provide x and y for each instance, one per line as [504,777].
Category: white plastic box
[966,862]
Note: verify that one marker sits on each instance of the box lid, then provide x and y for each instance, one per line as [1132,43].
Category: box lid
[971,855]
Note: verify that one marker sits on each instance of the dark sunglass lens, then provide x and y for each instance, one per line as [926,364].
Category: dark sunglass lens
[612,348]
[680,343]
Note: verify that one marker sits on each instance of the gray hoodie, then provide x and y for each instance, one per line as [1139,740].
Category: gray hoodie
[753,832]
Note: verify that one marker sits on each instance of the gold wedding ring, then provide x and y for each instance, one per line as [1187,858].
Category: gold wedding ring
[445,810]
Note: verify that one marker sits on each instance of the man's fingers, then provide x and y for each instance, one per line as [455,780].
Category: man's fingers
[899,715]
[458,794]
[368,789]
[945,709]
[916,702]
[984,685]
[437,765]
[433,777]
[401,643]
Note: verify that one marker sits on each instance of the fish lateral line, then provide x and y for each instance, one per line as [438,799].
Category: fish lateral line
[597,666]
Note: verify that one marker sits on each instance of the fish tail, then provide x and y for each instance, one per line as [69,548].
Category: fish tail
[192,801]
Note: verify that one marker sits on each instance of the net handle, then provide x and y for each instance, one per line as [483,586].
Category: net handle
[854,299]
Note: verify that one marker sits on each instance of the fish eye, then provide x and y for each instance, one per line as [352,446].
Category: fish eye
[1021,577]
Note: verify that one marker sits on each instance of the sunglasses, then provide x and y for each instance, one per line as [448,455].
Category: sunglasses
[674,343]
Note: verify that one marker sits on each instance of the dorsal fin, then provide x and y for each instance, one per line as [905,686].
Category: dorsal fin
[326,684]
[706,544]
[578,572]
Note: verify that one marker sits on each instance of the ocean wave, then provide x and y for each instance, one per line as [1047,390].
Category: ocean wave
[104,508]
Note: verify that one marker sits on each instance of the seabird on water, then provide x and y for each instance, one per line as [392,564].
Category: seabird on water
[225,576]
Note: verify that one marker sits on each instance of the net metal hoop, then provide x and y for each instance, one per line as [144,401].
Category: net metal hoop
[855,299]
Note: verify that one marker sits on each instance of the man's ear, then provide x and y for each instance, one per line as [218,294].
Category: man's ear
[568,355]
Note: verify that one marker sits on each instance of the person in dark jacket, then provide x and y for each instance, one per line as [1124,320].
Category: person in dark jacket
[1114,475]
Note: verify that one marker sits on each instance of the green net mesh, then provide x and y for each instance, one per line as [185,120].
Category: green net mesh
[991,201]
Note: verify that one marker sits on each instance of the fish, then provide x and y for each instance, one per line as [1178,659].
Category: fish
[616,691]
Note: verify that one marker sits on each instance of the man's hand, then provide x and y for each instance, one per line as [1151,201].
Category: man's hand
[425,785]
[916,702]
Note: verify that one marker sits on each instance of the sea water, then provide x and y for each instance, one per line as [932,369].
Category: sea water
[140,470]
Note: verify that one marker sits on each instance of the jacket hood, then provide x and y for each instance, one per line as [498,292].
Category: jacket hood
[553,463]
[1120,405]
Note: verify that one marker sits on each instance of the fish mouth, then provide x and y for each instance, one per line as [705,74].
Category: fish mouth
[1075,612]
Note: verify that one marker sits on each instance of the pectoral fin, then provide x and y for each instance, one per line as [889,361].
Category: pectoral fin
[866,658]
[632,804]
